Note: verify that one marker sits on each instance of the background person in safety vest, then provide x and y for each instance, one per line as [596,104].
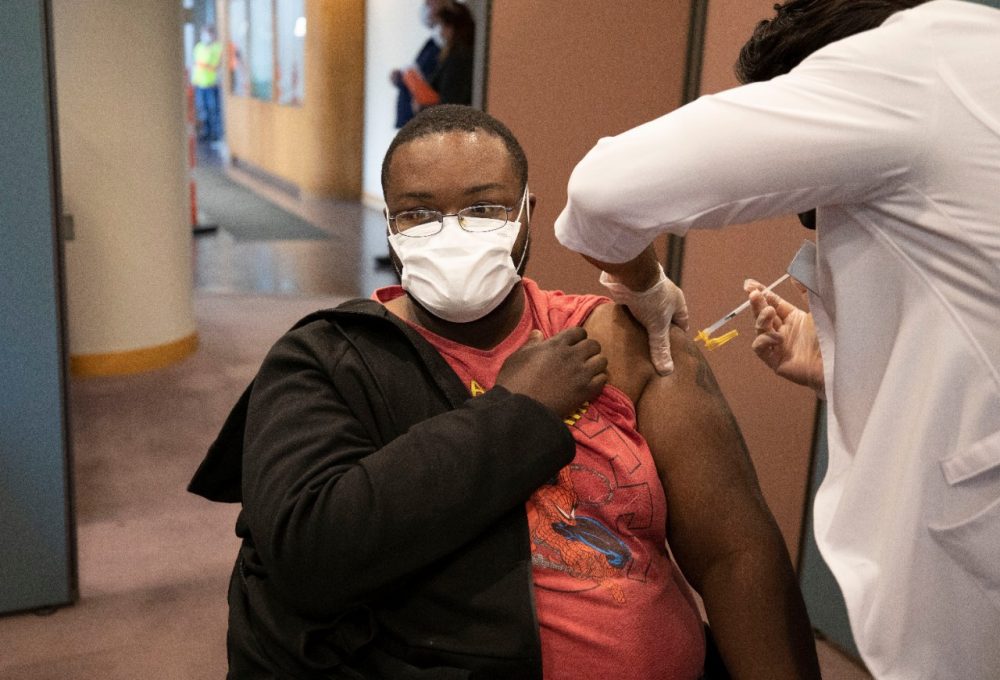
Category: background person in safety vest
[205,79]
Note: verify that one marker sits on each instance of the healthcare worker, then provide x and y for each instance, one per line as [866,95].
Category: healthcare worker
[886,119]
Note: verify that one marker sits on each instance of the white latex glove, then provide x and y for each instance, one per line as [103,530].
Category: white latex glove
[786,338]
[655,308]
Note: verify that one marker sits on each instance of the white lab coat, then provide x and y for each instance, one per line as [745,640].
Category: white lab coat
[895,135]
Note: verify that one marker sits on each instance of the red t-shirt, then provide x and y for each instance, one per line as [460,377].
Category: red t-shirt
[610,601]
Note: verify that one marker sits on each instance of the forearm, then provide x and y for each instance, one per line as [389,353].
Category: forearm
[758,617]
[639,273]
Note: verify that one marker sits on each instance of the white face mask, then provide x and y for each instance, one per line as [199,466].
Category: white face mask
[457,275]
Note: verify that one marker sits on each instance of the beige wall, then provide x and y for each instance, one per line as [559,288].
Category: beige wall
[316,146]
[562,75]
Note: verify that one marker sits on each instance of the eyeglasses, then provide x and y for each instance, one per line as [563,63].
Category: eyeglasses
[476,219]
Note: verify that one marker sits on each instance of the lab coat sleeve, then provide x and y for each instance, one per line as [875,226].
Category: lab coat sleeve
[845,126]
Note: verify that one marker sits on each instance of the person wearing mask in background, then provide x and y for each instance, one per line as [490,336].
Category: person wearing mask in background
[884,115]
[425,63]
[451,480]
[451,81]
[205,80]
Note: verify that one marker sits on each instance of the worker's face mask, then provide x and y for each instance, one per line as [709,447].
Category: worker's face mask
[461,275]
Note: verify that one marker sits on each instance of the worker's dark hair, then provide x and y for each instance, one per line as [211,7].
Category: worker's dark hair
[803,26]
[458,17]
[452,118]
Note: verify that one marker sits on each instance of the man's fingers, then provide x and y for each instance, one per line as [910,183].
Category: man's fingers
[597,383]
[571,336]
[588,348]
[597,364]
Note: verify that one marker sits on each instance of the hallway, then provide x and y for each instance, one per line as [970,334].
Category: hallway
[341,264]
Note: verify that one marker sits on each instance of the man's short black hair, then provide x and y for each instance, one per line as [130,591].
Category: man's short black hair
[451,118]
[803,26]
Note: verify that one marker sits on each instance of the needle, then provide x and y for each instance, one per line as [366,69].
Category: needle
[706,335]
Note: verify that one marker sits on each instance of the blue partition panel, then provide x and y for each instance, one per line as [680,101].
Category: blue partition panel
[37,550]
[825,603]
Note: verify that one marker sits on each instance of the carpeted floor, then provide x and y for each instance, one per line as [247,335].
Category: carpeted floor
[244,214]
[154,560]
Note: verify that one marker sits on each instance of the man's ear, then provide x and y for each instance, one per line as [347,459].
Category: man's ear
[531,204]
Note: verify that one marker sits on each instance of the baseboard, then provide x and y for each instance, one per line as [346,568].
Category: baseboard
[132,361]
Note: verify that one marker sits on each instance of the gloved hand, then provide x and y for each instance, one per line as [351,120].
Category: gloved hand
[786,338]
[654,308]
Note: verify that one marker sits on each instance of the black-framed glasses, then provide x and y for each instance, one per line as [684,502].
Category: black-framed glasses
[476,219]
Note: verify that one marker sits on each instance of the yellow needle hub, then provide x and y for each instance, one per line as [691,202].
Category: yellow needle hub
[715,343]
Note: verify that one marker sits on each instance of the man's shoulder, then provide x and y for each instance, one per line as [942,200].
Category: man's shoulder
[625,343]
[560,310]
[623,340]
[324,328]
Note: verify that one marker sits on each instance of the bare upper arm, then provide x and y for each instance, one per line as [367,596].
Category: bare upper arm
[714,502]
[623,342]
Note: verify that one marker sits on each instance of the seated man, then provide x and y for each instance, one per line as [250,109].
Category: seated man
[452,481]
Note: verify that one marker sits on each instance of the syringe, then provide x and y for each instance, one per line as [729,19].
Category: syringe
[705,335]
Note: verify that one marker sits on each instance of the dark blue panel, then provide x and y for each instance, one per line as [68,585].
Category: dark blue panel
[825,603]
[36,560]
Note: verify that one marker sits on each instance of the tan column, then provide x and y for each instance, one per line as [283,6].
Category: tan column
[120,105]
